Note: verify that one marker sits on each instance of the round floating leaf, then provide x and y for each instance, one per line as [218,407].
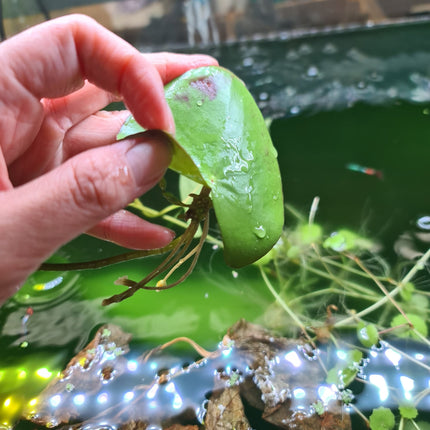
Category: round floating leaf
[309,233]
[407,290]
[345,371]
[408,411]
[403,329]
[222,141]
[382,419]
[367,334]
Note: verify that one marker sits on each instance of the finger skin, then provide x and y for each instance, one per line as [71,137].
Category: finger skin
[47,99]
[43,214]
[131,231]
[56,145]
[76,48]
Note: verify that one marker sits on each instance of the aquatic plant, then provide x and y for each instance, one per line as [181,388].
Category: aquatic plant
[329,285]
[221,143]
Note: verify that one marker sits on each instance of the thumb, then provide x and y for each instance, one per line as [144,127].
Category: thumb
[40,216]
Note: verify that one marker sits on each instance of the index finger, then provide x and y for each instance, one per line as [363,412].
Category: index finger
[75,48]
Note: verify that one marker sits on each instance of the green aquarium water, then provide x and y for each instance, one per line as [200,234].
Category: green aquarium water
[349,114]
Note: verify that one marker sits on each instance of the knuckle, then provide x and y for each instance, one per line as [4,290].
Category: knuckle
[92,190]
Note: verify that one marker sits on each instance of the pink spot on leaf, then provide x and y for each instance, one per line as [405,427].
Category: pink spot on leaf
[206,86]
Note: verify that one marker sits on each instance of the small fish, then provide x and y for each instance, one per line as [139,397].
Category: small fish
[366,170]
[24,320]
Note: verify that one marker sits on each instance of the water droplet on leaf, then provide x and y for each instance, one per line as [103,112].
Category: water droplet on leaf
[260,232]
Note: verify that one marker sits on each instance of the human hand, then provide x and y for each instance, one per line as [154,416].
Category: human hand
[61,171]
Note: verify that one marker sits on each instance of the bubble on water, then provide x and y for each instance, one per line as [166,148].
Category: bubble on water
[424,222]
[361,85]
[248,62]
[292,55]
[290,91]
[312,72]
[263,96]
[329,48]
[294,110]
[416,78]
[375,76]
[392,92]
[305,49]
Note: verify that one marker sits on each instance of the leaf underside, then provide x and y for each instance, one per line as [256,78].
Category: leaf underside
[222,141]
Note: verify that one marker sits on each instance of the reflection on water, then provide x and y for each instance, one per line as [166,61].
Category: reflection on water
[334,71]
[107,385]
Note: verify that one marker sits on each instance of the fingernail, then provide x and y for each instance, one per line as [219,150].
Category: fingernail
[149,160]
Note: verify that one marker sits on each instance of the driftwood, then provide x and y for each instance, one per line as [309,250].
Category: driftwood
[275,378]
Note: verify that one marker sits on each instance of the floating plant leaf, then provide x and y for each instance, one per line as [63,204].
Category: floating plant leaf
[402,327]
[407,290]
[346,369]
[367,334]
[408,411]
[346,240]
[222,142]
[309,233]
[381,419]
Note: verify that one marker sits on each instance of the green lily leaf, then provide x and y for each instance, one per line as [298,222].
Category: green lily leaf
[382,419]
[222,142]
[344,372]
[367,334]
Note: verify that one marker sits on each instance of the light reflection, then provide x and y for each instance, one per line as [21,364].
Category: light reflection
[326,394]
[128,396]
[43,373]
[299,393]
[393,356]
[48,285]
[177,402]
[226,352]
[55,401]
[132,365]
[408,385]
[170,397]
[152,391]
[380,382]
[153,405]
[341,354]
[102,398]
[293,358]
[22,374]
[79,399]
[32,402]
[170,387]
